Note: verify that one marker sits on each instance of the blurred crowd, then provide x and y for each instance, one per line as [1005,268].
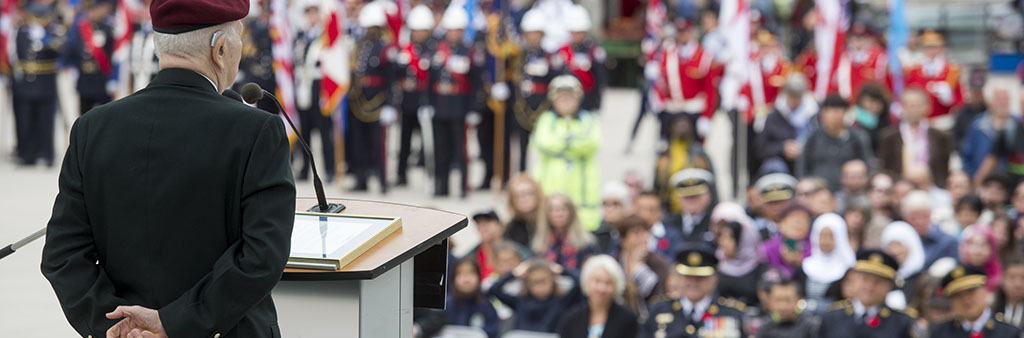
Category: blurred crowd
[886,185]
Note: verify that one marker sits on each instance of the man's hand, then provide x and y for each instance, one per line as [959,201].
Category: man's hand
[138,322]
[791,150]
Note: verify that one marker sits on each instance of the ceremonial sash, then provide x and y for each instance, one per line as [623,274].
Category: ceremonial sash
[101,57]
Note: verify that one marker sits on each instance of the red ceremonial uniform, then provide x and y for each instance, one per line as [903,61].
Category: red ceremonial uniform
[941,79]
[806,63]
[773,77]
[868,66]
[683,83]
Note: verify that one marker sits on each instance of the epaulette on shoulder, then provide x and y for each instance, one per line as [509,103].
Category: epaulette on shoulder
[912,312]
[839,304]
[733,303]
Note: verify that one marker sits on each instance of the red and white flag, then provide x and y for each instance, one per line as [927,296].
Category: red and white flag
[830,41]
[7,8]
[281,33]
[734,23]
[335,55]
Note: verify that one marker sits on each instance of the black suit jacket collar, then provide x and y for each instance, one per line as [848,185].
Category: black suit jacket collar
[182,77]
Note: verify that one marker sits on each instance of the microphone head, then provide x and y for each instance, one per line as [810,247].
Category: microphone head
[231,94]
[252,93]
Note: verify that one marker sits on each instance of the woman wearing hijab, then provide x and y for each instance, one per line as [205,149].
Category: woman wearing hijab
[739,253]
[831,256]
[901,241]
[979,249]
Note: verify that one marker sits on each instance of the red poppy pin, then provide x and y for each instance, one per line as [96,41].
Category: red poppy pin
[662,244]
[976,334]
[873,321]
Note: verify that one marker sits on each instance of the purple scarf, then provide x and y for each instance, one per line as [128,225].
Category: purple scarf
[773,254]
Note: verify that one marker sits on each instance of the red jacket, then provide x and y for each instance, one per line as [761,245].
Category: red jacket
[949,76]
[684,78]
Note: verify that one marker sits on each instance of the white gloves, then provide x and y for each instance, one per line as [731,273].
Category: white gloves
[426,112]
[473,118]
[703,126]
[388,115]
[943,92]
[499,91]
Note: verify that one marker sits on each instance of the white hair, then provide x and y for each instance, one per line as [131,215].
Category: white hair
[616,190]
[194,44]
[609,265]
[916,200]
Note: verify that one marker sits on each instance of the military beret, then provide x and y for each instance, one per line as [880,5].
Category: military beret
[180,16]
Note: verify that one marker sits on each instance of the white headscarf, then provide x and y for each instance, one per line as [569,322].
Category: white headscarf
[829,267]
[902,232]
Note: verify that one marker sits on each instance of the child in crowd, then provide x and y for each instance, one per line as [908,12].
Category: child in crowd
[785,314]
[788,248]
[540,301]
[968,209]
[467,306]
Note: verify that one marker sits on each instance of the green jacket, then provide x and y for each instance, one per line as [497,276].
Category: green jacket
[568,161]
[177,199]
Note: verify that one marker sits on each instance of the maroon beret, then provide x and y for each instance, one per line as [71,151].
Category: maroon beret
[180,16]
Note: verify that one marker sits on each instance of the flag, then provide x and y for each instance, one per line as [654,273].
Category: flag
[335,56]
[122,47]
[734,24]
[281,34]
[830,40]
[899,32]
[7,8]
[395,13]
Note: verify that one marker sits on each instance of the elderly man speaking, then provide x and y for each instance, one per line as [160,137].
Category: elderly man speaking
[176,204]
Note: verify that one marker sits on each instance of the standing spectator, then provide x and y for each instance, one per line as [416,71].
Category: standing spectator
[813,192]
[1009,146]
[739,253]
[541,301]
[787,126]
[966,288]
[614,207]
[680,151]
[832,145]
[830,257]
[693,188]
[787,249]
[467,305]
[602,281]
[914,141]
[978,248]
[854,179]
[567,139]
[646,271]
[560,238]
[1009,300]
[985,130]
[975,106]
[871,111]
[968,210]
[917,211]
[664,239]
[525,198]
[901,242]
[784,317]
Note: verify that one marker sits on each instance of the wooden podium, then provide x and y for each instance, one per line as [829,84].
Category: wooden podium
[374,295]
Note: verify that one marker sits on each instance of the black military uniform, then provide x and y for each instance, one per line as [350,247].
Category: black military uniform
[709,317]
[850,319]
[586,61]
[257,64]
[501,55]
[372,77]
[175,198]
[536,70]
[987,325]
[35,86]
[414,67]
[308,77]
[90,50]
[453,75]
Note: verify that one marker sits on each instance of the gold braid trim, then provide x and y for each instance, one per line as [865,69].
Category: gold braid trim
[359,104]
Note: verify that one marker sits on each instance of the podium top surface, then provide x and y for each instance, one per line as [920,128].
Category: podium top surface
[421,229]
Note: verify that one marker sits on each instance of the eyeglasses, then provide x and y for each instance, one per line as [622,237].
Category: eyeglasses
[611,203]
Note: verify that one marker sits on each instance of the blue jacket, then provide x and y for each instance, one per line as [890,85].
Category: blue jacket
[475,313]
[536,315]
[979,141]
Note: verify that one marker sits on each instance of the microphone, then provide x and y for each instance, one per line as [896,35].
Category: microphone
[252,93]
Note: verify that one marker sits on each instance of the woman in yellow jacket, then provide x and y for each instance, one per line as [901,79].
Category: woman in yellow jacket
[567,140]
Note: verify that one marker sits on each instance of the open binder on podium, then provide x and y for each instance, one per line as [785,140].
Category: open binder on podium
[332,241]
